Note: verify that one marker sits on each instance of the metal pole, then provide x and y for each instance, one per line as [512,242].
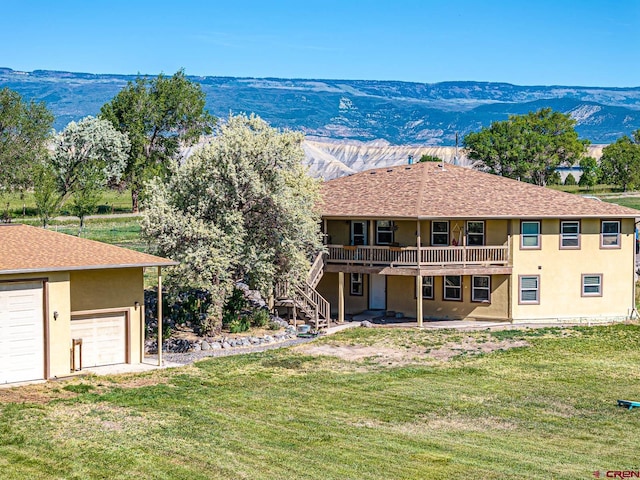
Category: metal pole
[159,316]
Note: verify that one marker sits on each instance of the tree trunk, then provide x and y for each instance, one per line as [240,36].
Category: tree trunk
[134,199]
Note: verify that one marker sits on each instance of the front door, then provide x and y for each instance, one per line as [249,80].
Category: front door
[358,233]
[377,292]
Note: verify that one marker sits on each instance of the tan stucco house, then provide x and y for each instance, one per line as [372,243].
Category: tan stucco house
[67,303]
[444,242]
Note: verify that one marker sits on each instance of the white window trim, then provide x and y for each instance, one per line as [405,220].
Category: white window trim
[538,244]
[617,235]
[433,233]
[484,227]
[537,290]
[390,231]
[432,288]
[364,234]
[353,282]
[444,288]
[474,288]
[591,294]
[569,236]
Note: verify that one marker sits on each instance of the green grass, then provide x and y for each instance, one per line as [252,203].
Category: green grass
[112,202]
[631,202]
[543,411]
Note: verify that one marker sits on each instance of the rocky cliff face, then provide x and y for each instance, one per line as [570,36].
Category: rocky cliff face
[330,160]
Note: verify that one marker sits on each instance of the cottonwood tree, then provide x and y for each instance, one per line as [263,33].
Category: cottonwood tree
[242,208]
[160,116]
[45,192]
[88,154]
[620,162]
[25,128]
[528,147]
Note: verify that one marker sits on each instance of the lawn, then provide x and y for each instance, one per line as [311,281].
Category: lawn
[546,410]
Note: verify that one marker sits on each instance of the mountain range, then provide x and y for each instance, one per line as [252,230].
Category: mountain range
[400,113]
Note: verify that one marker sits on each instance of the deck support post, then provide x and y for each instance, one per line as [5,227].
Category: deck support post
[340,297]
[419,299]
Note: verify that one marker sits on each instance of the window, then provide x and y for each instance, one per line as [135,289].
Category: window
[592,285]
[356,284]
[440,234]
[570,234]
[529,289]
[475,233]
[427,287]
[384,232]
[481,291]
[530,233]
[610,237]
[453,287]
[358,233]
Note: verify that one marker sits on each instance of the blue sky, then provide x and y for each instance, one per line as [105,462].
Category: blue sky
[534,42]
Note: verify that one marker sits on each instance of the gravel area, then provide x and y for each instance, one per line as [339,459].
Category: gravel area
[190,357]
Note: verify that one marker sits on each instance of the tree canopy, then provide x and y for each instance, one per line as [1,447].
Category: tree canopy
[527,147]
[241,208]
[25,128]
[88,154]
[160,115]
[620,162]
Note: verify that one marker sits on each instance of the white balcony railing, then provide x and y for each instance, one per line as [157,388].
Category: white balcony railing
[408,256]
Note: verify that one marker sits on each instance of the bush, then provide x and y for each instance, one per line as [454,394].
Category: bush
[554,179]
[233,307]
[239,324]
[260,318]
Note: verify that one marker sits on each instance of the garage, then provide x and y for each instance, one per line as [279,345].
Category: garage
[103,336]
[21,332]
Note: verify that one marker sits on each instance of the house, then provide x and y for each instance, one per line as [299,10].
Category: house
[67,303]
[434,241]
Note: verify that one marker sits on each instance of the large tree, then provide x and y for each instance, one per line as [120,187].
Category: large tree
[242,208]
[528,147]
[88,154]
[620,162]
[160,115]
[25,128]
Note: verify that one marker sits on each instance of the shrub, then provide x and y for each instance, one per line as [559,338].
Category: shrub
[260,318]
[554,179]
[239,324]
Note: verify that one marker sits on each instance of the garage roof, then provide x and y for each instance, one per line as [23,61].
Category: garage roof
[25,249]
[427,190]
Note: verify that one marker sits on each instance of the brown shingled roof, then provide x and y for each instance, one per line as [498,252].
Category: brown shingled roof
[25,249]
[426,190]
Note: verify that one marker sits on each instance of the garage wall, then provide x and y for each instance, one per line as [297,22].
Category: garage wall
[111,289]
[58,330]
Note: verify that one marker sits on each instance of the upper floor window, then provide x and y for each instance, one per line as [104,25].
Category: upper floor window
[610,236]
[475,233]
[440,234]
[384,232]
[570,234]
[530,234]
[358,233]
[427,287]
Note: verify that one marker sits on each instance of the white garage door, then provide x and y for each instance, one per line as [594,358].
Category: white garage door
[21,332]
[103,338]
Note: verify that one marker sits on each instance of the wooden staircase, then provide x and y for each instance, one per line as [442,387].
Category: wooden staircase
[305,299]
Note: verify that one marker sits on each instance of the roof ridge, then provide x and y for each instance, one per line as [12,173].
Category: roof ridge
[423,181]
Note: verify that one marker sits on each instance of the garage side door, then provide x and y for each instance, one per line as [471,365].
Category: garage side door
[103,338]
[21,332]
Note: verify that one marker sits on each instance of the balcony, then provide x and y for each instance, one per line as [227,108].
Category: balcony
[423,257]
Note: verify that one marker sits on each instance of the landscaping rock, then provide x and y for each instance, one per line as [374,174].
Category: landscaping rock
[205,345]
[216,346]
[366,324]
[226,345]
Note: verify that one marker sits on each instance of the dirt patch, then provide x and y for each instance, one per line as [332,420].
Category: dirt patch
[390,355]
[471,346]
